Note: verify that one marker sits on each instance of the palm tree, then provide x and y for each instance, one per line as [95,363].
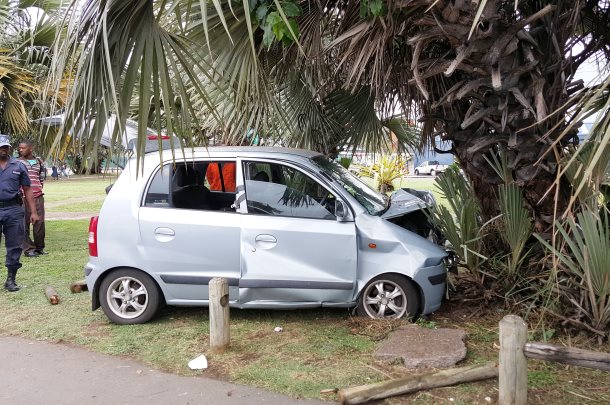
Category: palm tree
[15,83]
[489,77]
[488,83]
[193,71]
[25,41]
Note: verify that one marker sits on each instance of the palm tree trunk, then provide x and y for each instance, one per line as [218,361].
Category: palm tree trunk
[503,90]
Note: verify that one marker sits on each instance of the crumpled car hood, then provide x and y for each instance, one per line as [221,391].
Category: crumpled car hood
[404,202]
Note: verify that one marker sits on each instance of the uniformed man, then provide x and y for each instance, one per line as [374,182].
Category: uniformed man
[13,178]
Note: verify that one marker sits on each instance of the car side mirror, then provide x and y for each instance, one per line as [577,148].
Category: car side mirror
[341,211]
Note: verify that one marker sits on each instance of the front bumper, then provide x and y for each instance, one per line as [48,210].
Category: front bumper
[432,282]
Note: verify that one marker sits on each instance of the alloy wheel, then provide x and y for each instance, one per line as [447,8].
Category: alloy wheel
[127,297]
[385,299]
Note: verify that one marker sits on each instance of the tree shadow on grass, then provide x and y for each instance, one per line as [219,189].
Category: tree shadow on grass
[172,313]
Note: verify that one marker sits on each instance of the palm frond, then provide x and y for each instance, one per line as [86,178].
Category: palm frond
[587,255]
[459,224]
[385,171]
[517,224]
[15,84]
[119,47]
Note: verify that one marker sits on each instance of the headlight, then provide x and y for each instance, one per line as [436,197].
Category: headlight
[451,262]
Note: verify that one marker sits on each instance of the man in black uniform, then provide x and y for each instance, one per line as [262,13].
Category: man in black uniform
[13,178]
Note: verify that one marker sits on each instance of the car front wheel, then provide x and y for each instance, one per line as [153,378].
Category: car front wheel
[129,297]
[389,296]
[416,172]
[432,172]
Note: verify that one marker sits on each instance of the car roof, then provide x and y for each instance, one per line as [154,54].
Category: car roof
[232,151]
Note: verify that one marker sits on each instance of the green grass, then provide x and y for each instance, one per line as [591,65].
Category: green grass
[540,378]
[77,206]
[417,183]
[77,194]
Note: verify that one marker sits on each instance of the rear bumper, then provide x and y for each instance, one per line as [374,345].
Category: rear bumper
[91,277]
[432,282]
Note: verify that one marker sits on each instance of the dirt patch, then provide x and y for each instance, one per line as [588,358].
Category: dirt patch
[375,329]
[63,216]
[97,329]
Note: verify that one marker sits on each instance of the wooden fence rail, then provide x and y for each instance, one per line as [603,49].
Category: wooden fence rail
[568,355]
[514,350]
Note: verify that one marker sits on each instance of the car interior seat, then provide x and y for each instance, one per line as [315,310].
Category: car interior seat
[189,191]
[261,176]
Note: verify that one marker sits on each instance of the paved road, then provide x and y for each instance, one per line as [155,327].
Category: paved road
[33,372]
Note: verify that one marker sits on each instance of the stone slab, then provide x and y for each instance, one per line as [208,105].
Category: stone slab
[423,347]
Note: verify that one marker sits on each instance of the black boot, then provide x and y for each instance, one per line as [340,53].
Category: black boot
[10,282]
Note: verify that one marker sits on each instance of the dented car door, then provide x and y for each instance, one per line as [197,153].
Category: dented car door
[294,252]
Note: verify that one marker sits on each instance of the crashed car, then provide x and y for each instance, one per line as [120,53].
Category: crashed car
[286,228]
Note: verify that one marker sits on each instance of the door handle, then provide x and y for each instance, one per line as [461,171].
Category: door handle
[164,234]
[265,241]
[165,231]
[266,238]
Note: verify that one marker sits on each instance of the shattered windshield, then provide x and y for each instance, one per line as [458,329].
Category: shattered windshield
[374,202]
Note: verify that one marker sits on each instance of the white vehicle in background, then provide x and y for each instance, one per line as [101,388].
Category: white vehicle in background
[431,167]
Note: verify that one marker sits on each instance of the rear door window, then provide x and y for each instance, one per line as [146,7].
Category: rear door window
[158,190]
[204,185]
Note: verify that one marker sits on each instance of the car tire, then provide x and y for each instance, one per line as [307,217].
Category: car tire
[416,172]
[432,172]
[129,309]
[375,302]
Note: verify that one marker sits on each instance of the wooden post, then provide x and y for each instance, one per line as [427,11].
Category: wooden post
[78,286]
[512,376]
[51,295]
[219,314]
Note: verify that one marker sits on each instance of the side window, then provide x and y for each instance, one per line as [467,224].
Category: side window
[204,185]
[274,189]
[158,190]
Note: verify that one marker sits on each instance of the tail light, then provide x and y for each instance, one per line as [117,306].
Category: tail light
[156,137]
[93,236]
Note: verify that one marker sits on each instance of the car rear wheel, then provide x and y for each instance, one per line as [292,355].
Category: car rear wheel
[416,172]
[129,297]
[389,296]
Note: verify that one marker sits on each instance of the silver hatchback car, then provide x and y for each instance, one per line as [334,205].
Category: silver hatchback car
[287,228]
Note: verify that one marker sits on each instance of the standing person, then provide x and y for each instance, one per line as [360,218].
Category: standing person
[13,178]
[54,173]
[37,173]
[62,169]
